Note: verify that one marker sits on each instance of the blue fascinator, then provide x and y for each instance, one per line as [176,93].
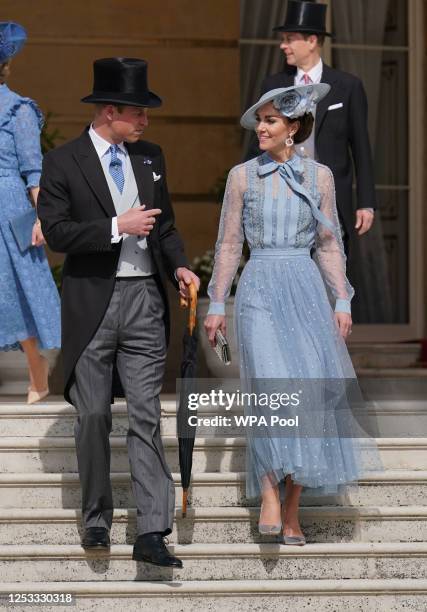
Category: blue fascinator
[291,102]
[12,39]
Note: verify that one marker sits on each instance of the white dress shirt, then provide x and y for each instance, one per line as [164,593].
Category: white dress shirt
[102,147]
[308,146]
[314,73]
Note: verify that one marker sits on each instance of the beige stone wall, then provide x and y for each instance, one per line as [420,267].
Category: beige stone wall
[192,50]
[425,175]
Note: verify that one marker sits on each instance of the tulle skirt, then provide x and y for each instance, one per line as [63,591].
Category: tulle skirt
[285,329]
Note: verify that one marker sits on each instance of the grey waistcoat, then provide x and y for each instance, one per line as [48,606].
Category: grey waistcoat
[135,257]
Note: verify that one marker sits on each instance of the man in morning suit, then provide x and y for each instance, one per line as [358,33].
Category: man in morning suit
[340,133]
[104,202]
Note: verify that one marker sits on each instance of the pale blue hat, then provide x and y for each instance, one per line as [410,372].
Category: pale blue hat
[291,102]
[12,39]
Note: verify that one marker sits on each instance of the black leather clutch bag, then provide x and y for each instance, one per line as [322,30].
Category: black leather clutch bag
[22,228]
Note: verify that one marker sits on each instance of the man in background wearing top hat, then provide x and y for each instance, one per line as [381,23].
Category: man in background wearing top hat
[340,133]
[104,202]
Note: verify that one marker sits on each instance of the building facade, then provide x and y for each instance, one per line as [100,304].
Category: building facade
[194,52]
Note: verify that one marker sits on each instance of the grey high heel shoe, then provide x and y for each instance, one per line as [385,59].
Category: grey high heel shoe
[269,529]
[294,540]
[265,529]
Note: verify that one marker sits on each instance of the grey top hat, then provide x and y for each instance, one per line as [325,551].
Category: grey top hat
[291,102]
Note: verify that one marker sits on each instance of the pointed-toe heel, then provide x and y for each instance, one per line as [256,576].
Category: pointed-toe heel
[294,540]
[35,396]
[269,529]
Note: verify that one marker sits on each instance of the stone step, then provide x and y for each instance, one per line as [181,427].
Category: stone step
[384,355]
[224,525]
[219,562]
[14,372]
[369,595]
[57,454]
[392,372]
[44,490]
[394,418]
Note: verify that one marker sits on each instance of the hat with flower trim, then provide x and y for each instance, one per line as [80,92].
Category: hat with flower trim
[12,39]
[291,102]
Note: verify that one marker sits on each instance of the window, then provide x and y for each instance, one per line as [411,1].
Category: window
[381,42]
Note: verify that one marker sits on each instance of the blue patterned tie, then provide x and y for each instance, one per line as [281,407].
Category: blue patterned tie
[116,168]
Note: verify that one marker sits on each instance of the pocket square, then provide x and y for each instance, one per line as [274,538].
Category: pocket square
[156,177]
[334,106]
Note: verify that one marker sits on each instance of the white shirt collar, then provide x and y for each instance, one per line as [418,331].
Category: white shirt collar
[101,145]
[315,73]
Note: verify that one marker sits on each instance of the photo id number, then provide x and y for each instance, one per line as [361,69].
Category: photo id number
[41,598]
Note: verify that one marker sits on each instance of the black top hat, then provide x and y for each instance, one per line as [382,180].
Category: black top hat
[121,80]
[306,17]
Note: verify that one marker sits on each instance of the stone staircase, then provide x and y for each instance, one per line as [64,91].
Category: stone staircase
[370,359]
[366,551]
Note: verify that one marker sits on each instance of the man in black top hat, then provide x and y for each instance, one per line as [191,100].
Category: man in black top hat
[104,202]
[340,134]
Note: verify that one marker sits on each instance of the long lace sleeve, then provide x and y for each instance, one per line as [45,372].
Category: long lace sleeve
[329,254]
[27,142]
[229,245]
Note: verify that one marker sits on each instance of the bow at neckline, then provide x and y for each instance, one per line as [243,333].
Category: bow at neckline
[269,165]
[292,171]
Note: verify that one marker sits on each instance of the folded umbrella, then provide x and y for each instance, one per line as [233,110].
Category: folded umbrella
[186,433]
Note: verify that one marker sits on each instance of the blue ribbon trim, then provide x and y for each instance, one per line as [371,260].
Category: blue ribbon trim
[291,171]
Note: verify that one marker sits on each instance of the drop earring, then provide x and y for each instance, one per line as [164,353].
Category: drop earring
[289,142]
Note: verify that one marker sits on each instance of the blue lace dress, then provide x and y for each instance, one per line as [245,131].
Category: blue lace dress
[284,320]
[29,300]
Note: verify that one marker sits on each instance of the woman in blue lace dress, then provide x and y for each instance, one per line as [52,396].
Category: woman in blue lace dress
[29,300]
[292,310]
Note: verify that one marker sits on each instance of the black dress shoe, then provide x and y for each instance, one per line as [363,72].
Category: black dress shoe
[96,537]
[151,548]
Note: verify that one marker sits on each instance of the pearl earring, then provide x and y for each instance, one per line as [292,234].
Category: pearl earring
[289,141]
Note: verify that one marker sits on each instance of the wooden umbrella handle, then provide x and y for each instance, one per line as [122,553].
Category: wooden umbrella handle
[192,302]
[184,502]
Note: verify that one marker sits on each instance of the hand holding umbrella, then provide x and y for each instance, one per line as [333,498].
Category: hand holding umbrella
[186,434]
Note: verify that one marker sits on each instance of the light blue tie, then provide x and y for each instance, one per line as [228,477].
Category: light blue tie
[116,168]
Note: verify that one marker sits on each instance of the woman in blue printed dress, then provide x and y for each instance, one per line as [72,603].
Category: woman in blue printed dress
[292,310]
[29,300]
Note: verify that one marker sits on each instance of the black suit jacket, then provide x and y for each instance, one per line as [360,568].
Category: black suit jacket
[75,208]
[341,134]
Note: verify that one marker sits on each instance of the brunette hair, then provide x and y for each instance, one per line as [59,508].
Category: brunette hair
[4,71]
[320,38]
[101,105]
[305,127]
